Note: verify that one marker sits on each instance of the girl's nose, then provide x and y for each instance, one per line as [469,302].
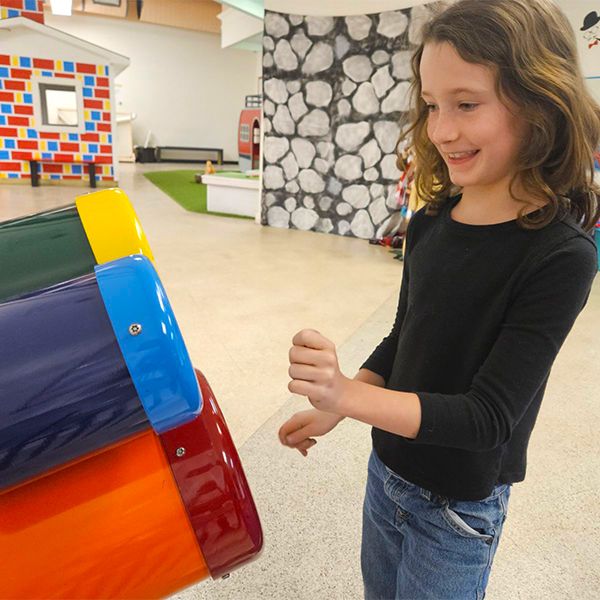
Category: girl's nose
[442,129]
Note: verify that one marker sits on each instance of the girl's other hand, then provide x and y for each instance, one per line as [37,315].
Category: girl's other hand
[315,372]
[299,431]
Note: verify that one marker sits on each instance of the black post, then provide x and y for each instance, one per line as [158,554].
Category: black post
[33,168]
[92,172]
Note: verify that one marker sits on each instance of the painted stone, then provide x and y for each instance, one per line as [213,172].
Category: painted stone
[273,178]
[276,25]
[277,216]
[350,136]
[362,226]
[365,101]
[304,218]
[318,93]
[348,167]
[275,148]
[283,122]
[392,24]
[314,124]
[398,99]
[297,106]
[320,58]
[343,209]
[358,68]
[290,204]
[358,26]
[357,196]
[382,81]
[370,153]
[319,26]
[304,151]
[284,56]
[387,133]
[276,90]
[290,166]
[311,182]
[300,44]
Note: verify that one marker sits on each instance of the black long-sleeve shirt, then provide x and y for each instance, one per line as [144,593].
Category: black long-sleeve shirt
[483,312]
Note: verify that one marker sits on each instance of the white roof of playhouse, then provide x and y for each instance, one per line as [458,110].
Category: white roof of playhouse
[19,31]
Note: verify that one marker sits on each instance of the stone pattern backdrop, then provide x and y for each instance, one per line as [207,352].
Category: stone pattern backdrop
[335,90]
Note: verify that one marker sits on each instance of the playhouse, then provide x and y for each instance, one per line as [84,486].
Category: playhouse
[249,134]
[57,109]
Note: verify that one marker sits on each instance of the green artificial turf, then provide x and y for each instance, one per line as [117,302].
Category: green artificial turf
[182,187]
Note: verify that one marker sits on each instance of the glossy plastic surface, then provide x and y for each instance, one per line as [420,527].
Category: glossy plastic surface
[65,388]
[212,484]
[154,350]
[110,526]
[111,225]
[41,250]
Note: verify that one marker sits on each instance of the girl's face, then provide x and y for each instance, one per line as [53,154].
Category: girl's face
[476,134]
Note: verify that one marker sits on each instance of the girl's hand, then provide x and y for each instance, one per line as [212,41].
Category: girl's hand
[298,431]
[315,371]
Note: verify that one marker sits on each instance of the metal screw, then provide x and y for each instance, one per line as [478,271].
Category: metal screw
[135,329]
[180,452]
[226,576]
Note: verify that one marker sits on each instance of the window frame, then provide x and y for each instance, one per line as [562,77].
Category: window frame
[39,87]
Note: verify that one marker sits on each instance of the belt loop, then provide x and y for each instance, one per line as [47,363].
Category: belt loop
[426,493]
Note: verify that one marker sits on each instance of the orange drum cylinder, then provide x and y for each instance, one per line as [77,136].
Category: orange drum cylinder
[81,531]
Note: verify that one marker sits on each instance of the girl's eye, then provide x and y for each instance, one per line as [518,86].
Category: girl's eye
[430,107]
[468,106]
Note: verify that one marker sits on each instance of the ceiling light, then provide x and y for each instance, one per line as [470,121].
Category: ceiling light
[61,7]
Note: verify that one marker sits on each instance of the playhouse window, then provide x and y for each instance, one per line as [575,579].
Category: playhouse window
[59,105]
[244,133]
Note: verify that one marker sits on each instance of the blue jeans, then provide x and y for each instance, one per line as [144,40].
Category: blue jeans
[419,546]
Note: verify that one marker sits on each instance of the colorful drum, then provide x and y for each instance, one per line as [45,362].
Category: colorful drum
[44,249]
[118,476]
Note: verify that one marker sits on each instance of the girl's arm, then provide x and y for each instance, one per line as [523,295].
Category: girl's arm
[316,374]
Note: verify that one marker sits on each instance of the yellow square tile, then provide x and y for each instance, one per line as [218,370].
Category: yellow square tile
[37,72]
[78,157]
[100,70]
[22,133]
[64,137]
[25,167]
[3,175]
[19,97]
[28,86]
[87,115]
[106,105]
[14,61]
[58,65]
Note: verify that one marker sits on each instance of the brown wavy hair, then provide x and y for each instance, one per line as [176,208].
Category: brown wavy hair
[532,49]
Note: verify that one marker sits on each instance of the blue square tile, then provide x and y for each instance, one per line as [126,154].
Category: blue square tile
[2,120]
[46,155]
[47,73]
[25,62]
[93,148]
[96,115]
[32,134]
[6,109]
[10,144]
[68,66]
[89,80]
[53,146]
[4,155]
[31,5]
[55,176]
[13,175]
[76,169]
[28,98]
[13,13]
[3,72]
[87,92]
[90,126]
[73,137]
[110,138]
[88,157]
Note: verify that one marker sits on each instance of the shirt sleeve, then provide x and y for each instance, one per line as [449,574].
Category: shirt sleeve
[535,326]
[381,360]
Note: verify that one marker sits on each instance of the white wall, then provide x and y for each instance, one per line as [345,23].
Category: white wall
[180,83]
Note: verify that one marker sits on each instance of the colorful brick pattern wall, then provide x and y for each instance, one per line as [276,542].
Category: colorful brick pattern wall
[32,9]
[21,142]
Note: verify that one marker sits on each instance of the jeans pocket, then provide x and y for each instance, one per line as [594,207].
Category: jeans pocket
[457,521]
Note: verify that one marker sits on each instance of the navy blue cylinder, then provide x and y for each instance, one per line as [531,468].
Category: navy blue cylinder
[65,390]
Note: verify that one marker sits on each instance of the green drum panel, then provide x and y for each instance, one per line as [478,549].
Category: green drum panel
[42,250]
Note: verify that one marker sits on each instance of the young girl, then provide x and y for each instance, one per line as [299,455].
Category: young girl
[499,264]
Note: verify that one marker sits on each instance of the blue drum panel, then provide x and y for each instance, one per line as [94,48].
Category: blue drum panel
[65,390]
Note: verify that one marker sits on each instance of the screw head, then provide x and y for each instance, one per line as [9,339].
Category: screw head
[180,452]
[226,576]
[135,329]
